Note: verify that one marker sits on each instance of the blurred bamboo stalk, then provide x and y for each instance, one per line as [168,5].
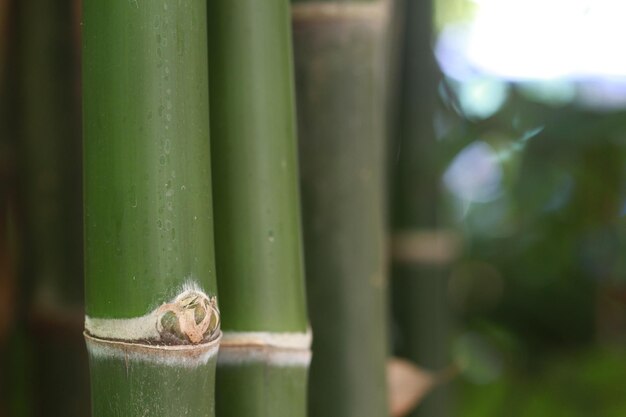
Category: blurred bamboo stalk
[50,199]
[341,72]
[152,323]
[421,252]
[8,221]
[7,177]
[265,353]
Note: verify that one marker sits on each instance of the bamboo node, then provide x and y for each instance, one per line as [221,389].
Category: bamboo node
[191,317]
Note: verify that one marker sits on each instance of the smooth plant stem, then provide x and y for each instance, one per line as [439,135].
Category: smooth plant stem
[340,74]
[263,361]
[255,166]
[419,283]
[152,324]
[50,194]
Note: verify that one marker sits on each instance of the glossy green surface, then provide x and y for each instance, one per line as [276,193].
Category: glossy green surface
[258,238]
[143,389]
[340,74]
[270,390]
[148,215]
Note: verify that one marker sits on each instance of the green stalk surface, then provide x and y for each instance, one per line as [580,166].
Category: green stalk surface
[148,209]
[258,236]
[255,167]
[340,77]
[419,289]
[259,388]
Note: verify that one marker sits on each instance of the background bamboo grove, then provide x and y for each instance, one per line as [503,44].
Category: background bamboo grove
[324,208]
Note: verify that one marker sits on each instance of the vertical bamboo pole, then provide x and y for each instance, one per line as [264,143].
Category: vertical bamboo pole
[7,174]
[264,356]
[340,74]
[421,251]
[50,194]
[152,324]
[7,206]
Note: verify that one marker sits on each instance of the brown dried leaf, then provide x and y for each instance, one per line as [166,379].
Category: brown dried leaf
[407,385]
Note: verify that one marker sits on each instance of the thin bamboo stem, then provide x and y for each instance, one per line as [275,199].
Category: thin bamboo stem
[419,278]
[264,359]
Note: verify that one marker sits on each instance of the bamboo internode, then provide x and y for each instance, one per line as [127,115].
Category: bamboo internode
[340,78]
[257,211]
[152,321]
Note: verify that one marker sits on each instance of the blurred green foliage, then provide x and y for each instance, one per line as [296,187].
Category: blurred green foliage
[579,384]
[538,190]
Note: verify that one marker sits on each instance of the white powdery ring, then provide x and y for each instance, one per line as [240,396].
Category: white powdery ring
[186,356]
[278,349]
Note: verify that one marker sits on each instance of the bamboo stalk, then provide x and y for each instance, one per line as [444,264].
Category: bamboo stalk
[152,324]
[263,360]
[9,389]
[50,191]
[7,177]
[419,284]
[340,77]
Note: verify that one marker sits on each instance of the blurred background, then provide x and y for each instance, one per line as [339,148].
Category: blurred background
[506,214]
[530,135]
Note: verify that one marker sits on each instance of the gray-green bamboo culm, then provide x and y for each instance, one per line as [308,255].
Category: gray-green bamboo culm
[265,352]
[152,323]
[340,79]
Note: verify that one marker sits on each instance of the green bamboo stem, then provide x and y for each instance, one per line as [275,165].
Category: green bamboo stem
[50,191]
[419,284]
[340,74]
[263,359]
[152,325]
